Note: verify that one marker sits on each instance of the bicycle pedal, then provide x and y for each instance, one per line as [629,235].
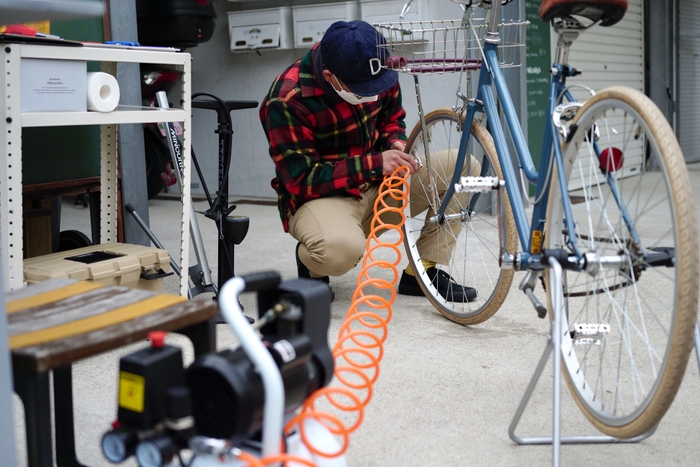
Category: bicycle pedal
[477,184]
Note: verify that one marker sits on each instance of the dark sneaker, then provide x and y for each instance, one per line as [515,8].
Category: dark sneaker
[445,285]
[303,272]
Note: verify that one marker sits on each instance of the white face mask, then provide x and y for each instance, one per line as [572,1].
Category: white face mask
[351,98]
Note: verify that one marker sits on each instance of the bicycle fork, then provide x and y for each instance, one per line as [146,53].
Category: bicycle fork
[435,201]
[507,260]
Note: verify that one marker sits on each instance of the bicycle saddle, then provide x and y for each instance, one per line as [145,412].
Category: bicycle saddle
[608,12]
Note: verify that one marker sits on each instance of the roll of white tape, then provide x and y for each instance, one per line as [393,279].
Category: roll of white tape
[102,92]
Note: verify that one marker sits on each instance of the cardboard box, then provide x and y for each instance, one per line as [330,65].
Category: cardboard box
[108,263]
[53,85]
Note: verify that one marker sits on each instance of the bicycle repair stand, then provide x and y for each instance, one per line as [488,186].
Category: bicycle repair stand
[554,346]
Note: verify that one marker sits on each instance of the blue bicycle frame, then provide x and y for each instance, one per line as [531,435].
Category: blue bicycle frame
[490,74]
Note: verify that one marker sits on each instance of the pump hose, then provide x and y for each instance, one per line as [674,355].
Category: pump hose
[359,348]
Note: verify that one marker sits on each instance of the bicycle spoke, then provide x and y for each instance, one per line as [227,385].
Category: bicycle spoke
[466,246]
[624,317]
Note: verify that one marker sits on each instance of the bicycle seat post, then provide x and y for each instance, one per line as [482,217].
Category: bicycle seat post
[568,31]
[492,35]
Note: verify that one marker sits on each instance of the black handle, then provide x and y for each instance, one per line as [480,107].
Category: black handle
[159,274]
[261,280]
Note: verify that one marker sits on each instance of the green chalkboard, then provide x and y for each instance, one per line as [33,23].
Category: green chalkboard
[539,61]
[64,153]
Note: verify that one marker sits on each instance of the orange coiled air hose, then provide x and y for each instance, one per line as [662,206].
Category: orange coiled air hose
[359,348]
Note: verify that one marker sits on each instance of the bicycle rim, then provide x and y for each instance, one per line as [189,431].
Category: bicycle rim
[466,248]
[627,329]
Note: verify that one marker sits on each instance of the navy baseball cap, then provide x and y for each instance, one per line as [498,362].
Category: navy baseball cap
[349,51]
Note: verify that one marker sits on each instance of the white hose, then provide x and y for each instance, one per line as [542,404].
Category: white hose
[273,411]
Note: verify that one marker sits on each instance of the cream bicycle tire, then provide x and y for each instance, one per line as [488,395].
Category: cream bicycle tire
[474,259]
[644,314]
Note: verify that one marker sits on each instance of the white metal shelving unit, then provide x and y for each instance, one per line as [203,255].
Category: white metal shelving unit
[11,141]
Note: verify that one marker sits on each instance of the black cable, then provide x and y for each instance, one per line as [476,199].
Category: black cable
[201,176]
[217,99]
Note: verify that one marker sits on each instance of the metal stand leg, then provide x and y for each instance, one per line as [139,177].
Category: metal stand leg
[554,344]
[130,209]
[697,343]
[203,337]
[199,273]
[94,206]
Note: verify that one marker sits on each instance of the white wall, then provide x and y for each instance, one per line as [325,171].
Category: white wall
[248,76]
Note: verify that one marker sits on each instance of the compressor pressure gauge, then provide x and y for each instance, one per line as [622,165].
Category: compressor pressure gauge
[155,452]
[117,445]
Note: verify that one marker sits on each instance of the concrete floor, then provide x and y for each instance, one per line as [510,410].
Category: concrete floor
[446,393]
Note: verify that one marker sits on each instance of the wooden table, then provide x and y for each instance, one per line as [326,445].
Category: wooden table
[44,221]
[55,323]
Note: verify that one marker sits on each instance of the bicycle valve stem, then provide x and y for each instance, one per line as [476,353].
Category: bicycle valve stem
[417,159]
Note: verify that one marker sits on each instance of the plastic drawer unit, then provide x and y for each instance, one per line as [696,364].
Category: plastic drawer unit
[132,266]
[269,28]
[311,21]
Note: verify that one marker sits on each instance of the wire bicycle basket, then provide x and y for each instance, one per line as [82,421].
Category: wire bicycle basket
[444,46]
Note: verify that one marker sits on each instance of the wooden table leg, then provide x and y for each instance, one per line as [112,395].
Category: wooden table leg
[63,412]
[202,335]
[33,389]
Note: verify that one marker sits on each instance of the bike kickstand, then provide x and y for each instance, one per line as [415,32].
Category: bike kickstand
[553,346]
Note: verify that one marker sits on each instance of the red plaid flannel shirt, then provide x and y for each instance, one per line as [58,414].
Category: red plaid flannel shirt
[322,147]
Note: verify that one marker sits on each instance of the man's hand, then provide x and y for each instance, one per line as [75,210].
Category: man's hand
[400,145]
[395,158]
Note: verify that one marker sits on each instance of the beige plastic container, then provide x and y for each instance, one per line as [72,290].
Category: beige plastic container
[109,263]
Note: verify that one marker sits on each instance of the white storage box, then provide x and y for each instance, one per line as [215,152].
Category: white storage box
[311,21]
[379,11]
[269,28]
[123,264]
[53,85]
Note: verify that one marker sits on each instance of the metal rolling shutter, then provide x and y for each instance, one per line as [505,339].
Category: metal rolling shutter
[689,69]
[611,56]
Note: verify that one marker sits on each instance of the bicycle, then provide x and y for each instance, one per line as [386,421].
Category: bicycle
[613,207]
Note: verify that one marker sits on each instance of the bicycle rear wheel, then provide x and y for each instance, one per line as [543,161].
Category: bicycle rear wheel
[467,247]
[629,317]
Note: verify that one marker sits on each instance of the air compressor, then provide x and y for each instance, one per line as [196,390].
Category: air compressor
[233,400]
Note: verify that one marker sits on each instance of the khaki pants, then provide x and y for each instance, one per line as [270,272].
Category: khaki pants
[333,230]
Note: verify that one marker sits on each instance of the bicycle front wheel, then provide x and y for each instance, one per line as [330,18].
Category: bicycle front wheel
[629,316]
[466,245]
